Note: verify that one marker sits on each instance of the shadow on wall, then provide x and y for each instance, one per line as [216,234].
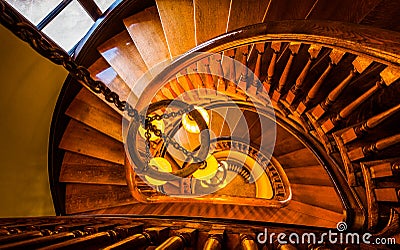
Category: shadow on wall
[30,85]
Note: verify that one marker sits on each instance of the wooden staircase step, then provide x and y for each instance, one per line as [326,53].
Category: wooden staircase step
[315,211]
[146,31]
[244,13]
[121,53]
[78,168]
[313,175]
[211,17]
[85,140]
[320,196]
[289,10]
[354,11]
[85,197]
[177,18]
[102,71]
[286,142]
[91,111]
[299,158]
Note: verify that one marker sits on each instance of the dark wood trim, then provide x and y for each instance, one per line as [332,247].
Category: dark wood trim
[91,8]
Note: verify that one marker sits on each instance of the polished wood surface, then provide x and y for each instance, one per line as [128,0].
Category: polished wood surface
[82,139]
[122,54]
[147,24]
[244,13]
[177,18]
[211,17]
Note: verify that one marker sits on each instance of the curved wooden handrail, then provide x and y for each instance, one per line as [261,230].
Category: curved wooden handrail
[377,44]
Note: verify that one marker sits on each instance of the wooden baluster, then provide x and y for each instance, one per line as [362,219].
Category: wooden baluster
[247,242]
[184,238]
[215,240]
[294,49]
[335,56]
[138,240]
[387,194]
[231,66]
[182,92]
[313,51]
[98,239]
[99,228]
[256,84]
[359,131]
[374,148]
[243,79]
[43,241]
[185,80]
[291,247]
[385,169]
[20,236]
[209,80]
[388,76]
[359,66]
[221,83]
[276,47]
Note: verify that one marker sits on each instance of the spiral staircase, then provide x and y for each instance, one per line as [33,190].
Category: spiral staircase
[332,86]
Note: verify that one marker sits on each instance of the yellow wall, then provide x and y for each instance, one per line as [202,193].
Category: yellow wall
[30,85]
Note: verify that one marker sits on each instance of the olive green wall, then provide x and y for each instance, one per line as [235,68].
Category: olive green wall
[30,85]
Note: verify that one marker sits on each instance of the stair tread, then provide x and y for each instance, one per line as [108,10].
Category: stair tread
[85,140]
[289,10]
[78,168]
[85,197]
[293,213]
[211,17]
[353,11]
[299,158]
[312,175]
[177,18]
[382,15]
[91,111]
[244,13]
[102,71]
[146,31]
[320,196]
[121,53]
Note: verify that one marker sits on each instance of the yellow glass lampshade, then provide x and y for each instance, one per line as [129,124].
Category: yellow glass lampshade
[209,171]
[190,124]
[158,123]
[163,166]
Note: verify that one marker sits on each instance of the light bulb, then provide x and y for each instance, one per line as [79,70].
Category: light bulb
[163,166]
[158,123]
[190,124]
[209,171]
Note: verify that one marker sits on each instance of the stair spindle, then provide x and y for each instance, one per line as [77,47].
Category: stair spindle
[242,84]
[215,240]
[294,49]
[247,242]
[313,51]
[359,66]
[231,71]
[276,47]
[255,86]
[335,56]
[361,130]
[374,148]
[184,238]
[221,83]
[388,76]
